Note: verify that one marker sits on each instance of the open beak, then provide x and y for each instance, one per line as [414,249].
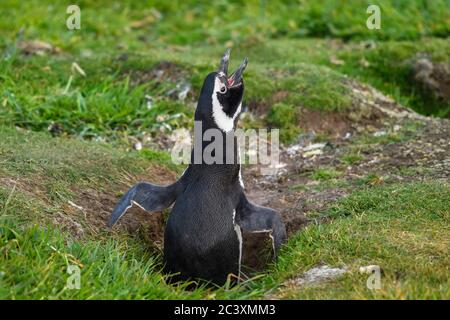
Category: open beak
[235,79]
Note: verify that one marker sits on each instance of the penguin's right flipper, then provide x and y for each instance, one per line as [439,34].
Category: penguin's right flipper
[149,197]
[254,218]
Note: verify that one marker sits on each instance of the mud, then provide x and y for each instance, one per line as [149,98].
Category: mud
[98,206]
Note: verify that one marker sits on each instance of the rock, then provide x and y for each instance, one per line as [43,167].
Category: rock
[36,47]
[184,89]
[308,151]
[380,133]
[336,61]
[369,269]
[317,275]
[55,129]
[432,77]
[181,91]
[292,150]
[137,146]
[314,146]
[312,153]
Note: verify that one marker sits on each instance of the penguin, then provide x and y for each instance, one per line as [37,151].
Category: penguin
[203,234]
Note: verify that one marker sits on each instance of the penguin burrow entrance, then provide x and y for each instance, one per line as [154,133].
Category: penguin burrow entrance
[257,251]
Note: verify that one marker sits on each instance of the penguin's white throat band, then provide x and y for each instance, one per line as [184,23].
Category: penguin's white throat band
[223,121]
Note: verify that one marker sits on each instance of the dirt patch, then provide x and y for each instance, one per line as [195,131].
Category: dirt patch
[332,124]
[257,252]
[98,205]
[89,210]
[260,108]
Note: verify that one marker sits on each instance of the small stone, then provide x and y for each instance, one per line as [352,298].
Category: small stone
[312,153]
[318,275]
[149,101]
[314,146]
[137,146]
[380,133]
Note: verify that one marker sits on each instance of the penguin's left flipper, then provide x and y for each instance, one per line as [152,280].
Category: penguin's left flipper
[148,196]
[254,218]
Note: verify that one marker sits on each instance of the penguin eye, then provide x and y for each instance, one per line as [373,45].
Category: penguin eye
[223,89]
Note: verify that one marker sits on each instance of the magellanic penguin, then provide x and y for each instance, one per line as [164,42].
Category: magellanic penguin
[203,237]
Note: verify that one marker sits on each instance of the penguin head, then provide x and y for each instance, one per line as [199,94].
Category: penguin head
[221,96]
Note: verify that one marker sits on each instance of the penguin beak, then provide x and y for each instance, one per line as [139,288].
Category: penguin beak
[224,62]
[235,79]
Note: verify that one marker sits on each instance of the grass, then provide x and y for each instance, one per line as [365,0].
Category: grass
[396,227]
[66,132]
[402,228]
[102,105]
[284,116]
[352,158]
[109,102]
[325,174]
[181,23]
[54,170]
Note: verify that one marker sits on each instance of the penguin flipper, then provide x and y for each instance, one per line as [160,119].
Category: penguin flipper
[149,197]
[254,218]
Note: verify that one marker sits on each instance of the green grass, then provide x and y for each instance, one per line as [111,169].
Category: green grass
[284,116]
[305,56]
[352,158]
[179,22]
[401,228]
[55,170]
[109,102]
[101,105]
[325,174]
